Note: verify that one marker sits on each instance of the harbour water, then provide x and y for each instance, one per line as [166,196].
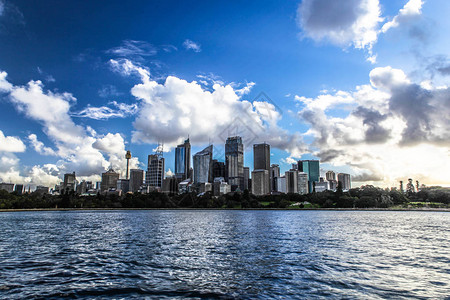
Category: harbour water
[225,254]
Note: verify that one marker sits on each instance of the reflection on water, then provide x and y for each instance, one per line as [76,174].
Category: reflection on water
[225,254]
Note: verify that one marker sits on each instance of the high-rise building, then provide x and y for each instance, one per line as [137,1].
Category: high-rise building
[260,177]
[155,171]
[9,187]
[203,165]
[183,160]
[291,181]
[69,182]
[330,175]
[18,189]
[310,167]
[218,169]
[274,174]
[302,186]
[281,184]
[136,179]
[345,180]
[246,178]
[109,180]
[234,161]
[261,160]
[123,185]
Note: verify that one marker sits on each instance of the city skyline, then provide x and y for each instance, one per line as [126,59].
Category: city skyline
[364,91]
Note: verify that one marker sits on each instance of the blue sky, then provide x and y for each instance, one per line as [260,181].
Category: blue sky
[361,85]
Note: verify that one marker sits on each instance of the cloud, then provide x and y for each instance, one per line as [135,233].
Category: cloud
[39,146]
[191,45]
[78,149]
[121,110]
[133,49]
[394,127]
[412,8]
[11,144]
[108,91]
[343,23]
[171,110]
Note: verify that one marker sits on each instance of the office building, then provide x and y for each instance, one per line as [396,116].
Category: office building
[281,184]
[170,185]
[322,186]
[274,174]
[183,160]
[302,180]
[9,187]
[291,181]
[260,178]
[218,169]
[246,178]
[330,175]
[234,161]
[345,181]
[109,180]
[18,189]
[69,183]
[123,185]
[261,160]
[136,180]
[310,167]
[203,165]
[155,172]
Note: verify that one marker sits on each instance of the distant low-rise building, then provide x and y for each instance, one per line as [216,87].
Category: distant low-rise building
[9,187]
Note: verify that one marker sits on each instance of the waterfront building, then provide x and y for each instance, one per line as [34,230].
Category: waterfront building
[345,181]
[155,172]
[312,168]
[261,161]
[69,183]
[9,187]
[203,165]
[260,179]
[18,188]
[136,180]
[302,180]
[183,160]
[291,181]
[246,178]
[123,185]
[234,161]
[274,174]
[281,184]
[330,175]
[322,186]
[218,169]
[40,189]
[109,180]
[82,187]
[170,185]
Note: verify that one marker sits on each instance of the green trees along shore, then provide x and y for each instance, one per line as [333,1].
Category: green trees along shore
[364,197]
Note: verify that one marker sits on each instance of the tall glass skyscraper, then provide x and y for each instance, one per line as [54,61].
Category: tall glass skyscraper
[183,160]
[261,161]
[155,171]
[310,167]
[234,160]
[203,165]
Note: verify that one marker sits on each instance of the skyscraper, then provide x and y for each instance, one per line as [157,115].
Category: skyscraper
[218,169]
[155,171]
[302,183]
[69,182]
[310,167]
[234,160]
[261,160]
[274,175]
[136,179]
[291,181]
[203,165]
[260,177]
[183,160]
[330,175]
[246,177]
[345,180]
[109,180]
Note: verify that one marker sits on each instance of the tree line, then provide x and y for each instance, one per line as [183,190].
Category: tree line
[367,196]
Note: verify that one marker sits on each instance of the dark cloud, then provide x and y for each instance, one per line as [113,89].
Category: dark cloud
[329,154]
[375,133]
[328,14]
[364,177]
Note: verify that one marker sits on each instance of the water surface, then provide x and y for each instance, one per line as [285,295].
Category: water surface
[224,254]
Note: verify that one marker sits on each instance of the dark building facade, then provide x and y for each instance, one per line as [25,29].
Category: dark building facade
[183,160]
[234,161]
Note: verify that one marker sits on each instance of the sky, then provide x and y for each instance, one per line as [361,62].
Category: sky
[361,85]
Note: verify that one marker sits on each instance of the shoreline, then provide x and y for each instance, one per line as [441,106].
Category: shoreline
[206,209]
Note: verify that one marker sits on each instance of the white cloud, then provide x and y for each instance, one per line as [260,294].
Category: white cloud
[77,147]
[395,129]
[39,146]
[11,144]
[133,49]
[191,45]
[121,110]
[343,23]
[412,8]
